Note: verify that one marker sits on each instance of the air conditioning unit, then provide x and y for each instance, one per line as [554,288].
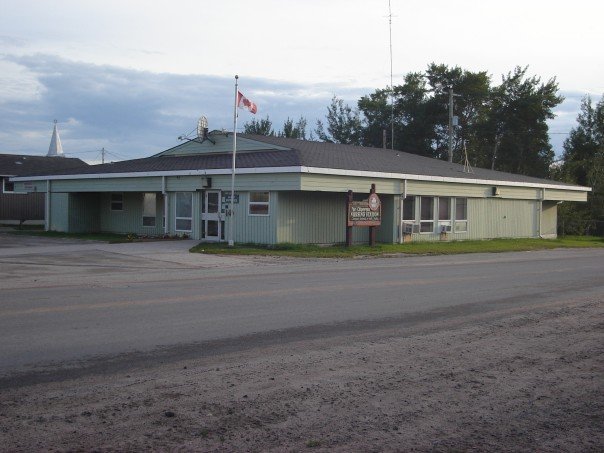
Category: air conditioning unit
[410,228]
[445,228]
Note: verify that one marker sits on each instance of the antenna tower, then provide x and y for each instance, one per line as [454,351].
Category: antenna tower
[391,83]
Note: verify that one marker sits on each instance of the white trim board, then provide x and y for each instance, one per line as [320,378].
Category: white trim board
[309,170]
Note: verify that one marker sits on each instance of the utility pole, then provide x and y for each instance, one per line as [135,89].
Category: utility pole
[452,122]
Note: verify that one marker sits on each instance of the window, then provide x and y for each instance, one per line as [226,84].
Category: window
[409,219]
[117,201]
[259,202]
[9,187]
[184,211]
[426,208]
[149,209]
[444,214]
[461,215]
[409,209]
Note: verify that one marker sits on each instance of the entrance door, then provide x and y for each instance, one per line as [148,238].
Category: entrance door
[211,216]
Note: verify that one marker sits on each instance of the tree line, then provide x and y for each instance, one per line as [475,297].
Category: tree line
[583,164]
[499,126]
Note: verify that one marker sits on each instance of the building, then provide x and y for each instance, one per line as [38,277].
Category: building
[19,206]
[295,191]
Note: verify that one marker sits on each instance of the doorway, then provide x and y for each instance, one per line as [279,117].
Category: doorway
[210,216]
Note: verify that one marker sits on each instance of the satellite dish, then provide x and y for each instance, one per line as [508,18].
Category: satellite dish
[202,127]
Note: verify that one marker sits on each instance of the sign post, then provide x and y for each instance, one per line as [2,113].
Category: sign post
[348,225]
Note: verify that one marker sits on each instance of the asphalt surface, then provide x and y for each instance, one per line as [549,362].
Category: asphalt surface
[69,304]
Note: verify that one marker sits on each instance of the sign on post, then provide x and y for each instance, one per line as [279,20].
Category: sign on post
[365,213]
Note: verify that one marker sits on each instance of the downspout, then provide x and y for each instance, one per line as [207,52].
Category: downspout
[541,212]
[400,216]
[47,207]
[165,194]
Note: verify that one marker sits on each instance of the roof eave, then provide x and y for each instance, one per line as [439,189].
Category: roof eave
[305,169]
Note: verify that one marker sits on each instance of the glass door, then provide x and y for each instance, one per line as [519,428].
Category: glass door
[211,216]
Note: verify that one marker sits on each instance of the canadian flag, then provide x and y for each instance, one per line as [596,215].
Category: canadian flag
[243,102]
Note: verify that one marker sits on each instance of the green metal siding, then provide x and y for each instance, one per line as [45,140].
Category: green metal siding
[315,218]
[470,190]
[255,229]
[549,219]
[144,184]
[84,215]
[491,218]
[388,231]
[130,219]
[331,183]
[564,195]
[257,182]
[59,212]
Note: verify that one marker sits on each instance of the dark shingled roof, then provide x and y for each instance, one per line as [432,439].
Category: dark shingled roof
[309,154]
[20,165]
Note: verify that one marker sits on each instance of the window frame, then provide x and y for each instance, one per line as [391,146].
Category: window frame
[430,221]
[120,202]
[445,224]
[266,204]
[177,218]
[154,216]
[5,180]
[410,225]
[459,221]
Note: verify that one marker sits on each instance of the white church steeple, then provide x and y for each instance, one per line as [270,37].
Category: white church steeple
[55,149]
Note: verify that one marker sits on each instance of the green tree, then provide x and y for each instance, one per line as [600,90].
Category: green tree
[414,129]
[343,124]
[516,128]
[471,99]
[421,111]
[583,164]
[263,126]
[294,130]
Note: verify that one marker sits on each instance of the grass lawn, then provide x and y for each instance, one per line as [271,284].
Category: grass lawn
[413,248]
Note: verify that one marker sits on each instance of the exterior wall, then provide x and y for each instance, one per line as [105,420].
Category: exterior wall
[549,219]
[304,208]
[130,219]
[490,218]
[255,229]
[564,195]
[471,190]
[388,231]
[331,183]
[315,218]
[496,218]
[59,212]
[150,184]
[19,207]
[84,213]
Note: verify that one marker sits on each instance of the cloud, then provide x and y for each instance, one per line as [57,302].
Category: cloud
[134,113]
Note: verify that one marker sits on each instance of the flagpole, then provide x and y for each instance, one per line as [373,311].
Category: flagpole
[232,204]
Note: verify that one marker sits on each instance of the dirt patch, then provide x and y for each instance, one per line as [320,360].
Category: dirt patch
[531,380]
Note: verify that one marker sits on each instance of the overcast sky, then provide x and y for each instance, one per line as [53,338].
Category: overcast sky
[131,76]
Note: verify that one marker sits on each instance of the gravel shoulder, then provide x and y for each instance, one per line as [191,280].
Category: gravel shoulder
[523,379]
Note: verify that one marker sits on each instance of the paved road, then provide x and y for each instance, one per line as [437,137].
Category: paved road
[65,303]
